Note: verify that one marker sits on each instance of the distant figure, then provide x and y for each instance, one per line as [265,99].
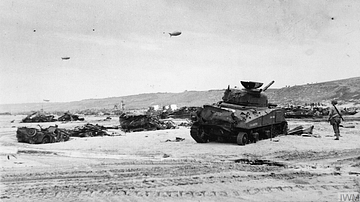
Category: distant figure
[335,119]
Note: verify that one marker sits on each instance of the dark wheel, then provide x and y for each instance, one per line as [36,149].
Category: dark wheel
[242,138]
[45,140]
[198,134]
[31,132]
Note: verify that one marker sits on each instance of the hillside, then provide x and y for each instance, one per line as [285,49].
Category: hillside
[346,90]
[141,101]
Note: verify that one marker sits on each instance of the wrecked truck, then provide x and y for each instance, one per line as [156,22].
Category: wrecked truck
[43,136]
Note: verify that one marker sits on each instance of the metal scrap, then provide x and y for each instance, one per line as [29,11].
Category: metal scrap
[177,139]
[48,135]
[88,130]
[143,122]
[299,130]
[38,117]
[70,117]
[186,124]
[184,112]
[298,112]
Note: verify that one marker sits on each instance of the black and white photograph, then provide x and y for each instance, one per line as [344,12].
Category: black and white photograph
[179,100]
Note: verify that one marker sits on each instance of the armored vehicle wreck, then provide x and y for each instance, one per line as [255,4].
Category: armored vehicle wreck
[43,136]
[243,115]
[38,117]
[70,117]
[143,122]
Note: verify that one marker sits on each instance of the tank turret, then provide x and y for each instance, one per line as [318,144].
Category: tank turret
[249,96]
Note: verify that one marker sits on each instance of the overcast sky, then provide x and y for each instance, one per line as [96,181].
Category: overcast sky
[119,48]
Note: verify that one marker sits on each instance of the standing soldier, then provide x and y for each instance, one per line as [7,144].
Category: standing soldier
[335,119]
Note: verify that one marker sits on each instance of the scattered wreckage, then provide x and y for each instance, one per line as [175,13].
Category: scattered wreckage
[70,117]
[183,112]
[349,111]
[168,112]
[299,112]
[300,130]
[88,130]
[44,135]
[143,122]
[177,139]
[54,134]
[37,117]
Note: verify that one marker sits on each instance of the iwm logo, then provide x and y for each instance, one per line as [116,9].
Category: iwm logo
[351,196]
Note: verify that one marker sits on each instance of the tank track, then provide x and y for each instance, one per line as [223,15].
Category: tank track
[195,132]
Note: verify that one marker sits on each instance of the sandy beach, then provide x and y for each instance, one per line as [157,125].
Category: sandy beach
[152,166]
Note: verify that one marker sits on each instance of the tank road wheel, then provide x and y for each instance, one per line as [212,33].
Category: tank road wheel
[242,138]
[198,134]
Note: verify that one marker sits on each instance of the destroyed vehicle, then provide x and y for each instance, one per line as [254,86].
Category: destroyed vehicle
[88,130]
[70,117]
[320,112]
[133,123]
[348,111]
[35,136]
[37,117]
[243,116]
[184,112]
[298,112]
[161,113]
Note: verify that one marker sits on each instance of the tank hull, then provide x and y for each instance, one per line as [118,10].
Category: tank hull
[229,122]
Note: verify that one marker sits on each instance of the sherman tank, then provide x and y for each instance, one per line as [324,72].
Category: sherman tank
[243,116]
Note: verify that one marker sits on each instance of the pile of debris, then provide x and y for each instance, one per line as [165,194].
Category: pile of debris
[38,117]
[314,112]
[349,111]
[88,130]
[298,113]
[177,139]
[143,122]
[48,135]
[54,134]
[183,112]
[186,124]
[300,130]
[70,117]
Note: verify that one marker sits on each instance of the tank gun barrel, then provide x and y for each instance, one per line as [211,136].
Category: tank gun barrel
[267,86]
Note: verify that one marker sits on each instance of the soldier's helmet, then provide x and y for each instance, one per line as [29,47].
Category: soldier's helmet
[334,102]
